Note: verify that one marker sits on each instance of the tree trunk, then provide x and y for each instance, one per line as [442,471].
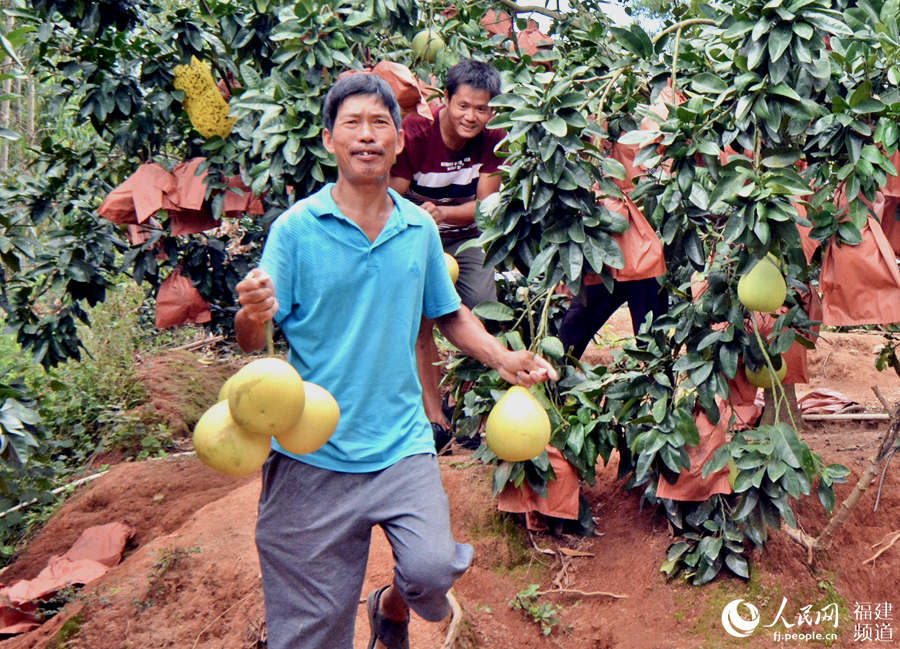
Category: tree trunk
[768,416]
[32,107]
[5,107]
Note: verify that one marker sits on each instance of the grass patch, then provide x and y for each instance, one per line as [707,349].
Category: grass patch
[169,559]
[812,604]
[508,550]
[88,407]
[67,631]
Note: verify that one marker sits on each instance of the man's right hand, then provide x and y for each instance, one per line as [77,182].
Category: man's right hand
[256,295]
[435,211]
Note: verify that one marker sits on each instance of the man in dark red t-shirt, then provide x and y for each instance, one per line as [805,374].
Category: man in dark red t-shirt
[447,165]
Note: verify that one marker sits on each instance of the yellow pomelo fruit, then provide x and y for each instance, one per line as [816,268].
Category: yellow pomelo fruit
[452,266]
[426,44]
[266,396]
[517,428]
[317,423]
[763,377]
[762,288]
[224,446]
[223,391]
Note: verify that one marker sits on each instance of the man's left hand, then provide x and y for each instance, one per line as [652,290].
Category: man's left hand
[526,369]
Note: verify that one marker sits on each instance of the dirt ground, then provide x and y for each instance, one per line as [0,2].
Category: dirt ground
[190,577]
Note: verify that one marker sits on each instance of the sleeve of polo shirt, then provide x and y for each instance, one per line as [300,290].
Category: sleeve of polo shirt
[278,262]
[441,297]
[404,166]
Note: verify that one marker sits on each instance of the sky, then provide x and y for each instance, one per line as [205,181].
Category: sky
[614,10]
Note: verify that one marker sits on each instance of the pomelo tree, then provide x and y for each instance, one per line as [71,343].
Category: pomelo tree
[786,102]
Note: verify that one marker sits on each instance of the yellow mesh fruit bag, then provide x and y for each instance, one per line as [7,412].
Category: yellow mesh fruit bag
[205,106]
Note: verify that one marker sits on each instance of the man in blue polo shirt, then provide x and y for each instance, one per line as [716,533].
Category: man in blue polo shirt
[348,273]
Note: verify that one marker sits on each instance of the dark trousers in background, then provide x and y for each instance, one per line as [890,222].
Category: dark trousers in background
[590,310]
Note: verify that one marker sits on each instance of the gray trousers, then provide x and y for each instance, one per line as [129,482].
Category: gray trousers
[313,535]
[475,283]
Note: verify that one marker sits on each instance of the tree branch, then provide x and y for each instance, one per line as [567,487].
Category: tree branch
[523,9]
[681,25]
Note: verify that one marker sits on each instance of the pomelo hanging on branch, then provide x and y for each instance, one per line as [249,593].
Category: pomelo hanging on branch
[223,445]
[763,287]
[517,428]
[317,423]
[426,44]
[266,396]
[762,378]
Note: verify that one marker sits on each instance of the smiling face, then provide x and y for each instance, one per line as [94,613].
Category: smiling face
[364,139]
[467,113]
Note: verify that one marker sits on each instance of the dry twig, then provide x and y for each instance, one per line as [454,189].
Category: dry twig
[222,614]
[573,591]
[455,622]
[894,536]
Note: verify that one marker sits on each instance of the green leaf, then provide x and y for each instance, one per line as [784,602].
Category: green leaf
[747,504]
[738,565]
[509,100]
[708,83]
[775,469]
[630,41]
[613,168]
[542,261]
[501,476]
[849,233]
[603,249]
[11,51]
[659,409]
[552,347]
[788,446]
[727,187]
[826,496]
[782,159]
[728,360]
[829,22]
[639,136]
[514,340]
[572,258]
[718,461]
[494,311]
[791,484]
[526,115]
[779,40]
[556,126]
[784,90]
[743,482]
[575,439]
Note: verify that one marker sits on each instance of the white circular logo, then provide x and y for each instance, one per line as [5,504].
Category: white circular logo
[736,625]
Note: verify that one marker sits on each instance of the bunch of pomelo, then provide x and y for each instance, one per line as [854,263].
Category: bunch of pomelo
[266,398]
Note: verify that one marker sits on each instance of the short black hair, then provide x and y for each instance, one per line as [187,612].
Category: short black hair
[479,75]
[362,83]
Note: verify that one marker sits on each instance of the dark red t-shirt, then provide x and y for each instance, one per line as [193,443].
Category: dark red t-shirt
[442,175]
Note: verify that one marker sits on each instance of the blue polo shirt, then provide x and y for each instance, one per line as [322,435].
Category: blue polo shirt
[350,309]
